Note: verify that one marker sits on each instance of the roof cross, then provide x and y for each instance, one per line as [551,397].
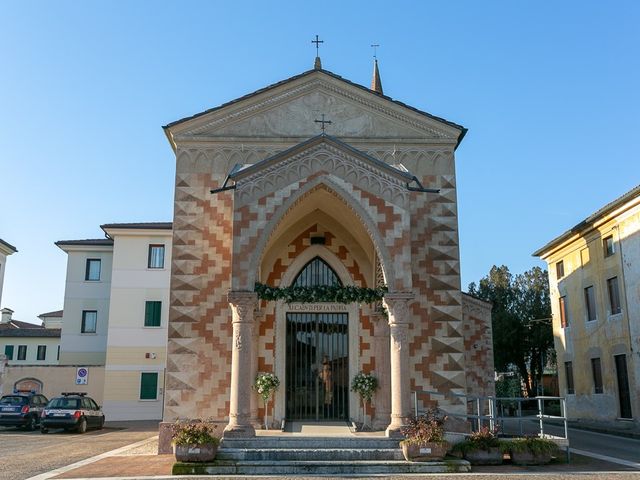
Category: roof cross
[323,122]
[317,41]
[375,49]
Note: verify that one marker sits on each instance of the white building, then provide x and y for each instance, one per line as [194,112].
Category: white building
[25,343]
[138,319]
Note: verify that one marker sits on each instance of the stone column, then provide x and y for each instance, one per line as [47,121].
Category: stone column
[243,305]
[397,305]
[381,354]
[255,399]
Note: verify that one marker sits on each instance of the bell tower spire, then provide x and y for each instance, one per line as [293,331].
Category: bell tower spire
[376,83]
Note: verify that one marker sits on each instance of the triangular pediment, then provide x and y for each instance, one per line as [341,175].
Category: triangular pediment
[321,156]
[290,108]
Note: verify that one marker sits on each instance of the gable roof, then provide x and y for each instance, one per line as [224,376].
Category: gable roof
[588,222]
[8,246]
[463,130]
[90,242]
[54,314]
[139,225]
[322,138]
[30,332]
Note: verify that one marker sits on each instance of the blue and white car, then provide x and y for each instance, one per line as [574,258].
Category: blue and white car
[22,409]
[72,411]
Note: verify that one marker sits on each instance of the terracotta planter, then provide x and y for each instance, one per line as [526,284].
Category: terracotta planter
[493,456]
[528,458]
[195,453]
[426,452]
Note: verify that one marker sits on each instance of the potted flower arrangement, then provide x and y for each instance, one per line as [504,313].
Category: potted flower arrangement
[424,438]
[195,440]
[531,450]
[481,448]
[365,385]
[265,384]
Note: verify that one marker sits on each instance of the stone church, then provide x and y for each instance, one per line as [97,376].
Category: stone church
[316,180]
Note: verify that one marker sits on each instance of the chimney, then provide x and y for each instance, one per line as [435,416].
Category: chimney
[6,315]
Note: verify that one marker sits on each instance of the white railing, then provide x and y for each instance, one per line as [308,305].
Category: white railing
[504,412]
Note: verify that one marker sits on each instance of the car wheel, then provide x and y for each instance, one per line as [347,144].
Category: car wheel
[44,430]
[31,426]
[82,426]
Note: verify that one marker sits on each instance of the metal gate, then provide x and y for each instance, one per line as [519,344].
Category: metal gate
[317,366]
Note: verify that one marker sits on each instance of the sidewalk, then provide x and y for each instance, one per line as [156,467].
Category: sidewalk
[622,428]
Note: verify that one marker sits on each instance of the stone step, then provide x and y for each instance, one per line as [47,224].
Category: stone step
[290,467]
[310,442]
[305,454]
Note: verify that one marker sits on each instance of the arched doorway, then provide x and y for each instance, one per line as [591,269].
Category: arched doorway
[317,353]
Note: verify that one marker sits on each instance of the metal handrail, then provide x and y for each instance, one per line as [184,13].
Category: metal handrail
[492,417]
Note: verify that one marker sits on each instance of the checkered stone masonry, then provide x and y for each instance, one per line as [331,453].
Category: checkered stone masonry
[437,345]
[199,344]
[478,346]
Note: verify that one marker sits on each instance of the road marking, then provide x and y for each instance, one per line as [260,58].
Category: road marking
[606,458]
[87,461]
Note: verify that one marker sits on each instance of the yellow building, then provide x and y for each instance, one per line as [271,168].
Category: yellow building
[594,277]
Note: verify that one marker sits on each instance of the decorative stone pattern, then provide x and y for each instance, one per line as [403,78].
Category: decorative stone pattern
[437,342]
[199,344]
[478,347]
[220,240]
[388,224]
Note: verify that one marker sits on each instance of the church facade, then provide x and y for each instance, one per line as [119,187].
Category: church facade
[317,181]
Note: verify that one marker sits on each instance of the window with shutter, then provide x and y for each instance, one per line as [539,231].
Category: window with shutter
[148,386]
[152,314]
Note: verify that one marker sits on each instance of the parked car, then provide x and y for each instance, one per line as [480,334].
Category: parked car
[72,411]
[22,409]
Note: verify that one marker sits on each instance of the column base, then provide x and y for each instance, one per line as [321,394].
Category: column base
[239,431]
[393,431]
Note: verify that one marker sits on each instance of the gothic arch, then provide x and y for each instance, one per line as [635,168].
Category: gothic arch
[327,182]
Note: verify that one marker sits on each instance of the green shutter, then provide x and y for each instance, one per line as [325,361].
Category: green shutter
[8,351]
[152,314]
[148,386]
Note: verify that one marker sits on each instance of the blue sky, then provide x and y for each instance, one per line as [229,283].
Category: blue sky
[548,90]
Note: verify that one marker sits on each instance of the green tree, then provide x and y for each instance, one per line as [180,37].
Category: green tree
[522,332]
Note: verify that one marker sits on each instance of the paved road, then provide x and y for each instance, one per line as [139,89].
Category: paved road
[599,443]
[25,454]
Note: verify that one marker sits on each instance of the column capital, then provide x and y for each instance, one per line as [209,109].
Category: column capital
[240,298]
[397,304]
[243,304]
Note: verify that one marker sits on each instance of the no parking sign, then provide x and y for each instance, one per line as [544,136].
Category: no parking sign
[82,376]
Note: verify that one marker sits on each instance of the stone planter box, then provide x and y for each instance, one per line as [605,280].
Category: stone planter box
[528,458]
[427,452]
[195,453]
[493,456]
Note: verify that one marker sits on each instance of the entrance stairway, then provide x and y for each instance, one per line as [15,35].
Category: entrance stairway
[297,455]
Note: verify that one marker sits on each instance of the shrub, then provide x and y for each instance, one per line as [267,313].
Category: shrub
[483,439]
[194,432]
[425,428]
[534,445]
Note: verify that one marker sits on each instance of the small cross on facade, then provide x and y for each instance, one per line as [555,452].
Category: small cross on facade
[323,122]
[317,41]
[375,49]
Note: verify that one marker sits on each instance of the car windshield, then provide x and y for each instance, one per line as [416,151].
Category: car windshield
[64,403]
[13,400]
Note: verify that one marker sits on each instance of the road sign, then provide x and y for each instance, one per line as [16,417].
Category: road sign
[82,376]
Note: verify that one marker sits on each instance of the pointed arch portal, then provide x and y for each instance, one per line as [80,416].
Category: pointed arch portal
[317,354]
